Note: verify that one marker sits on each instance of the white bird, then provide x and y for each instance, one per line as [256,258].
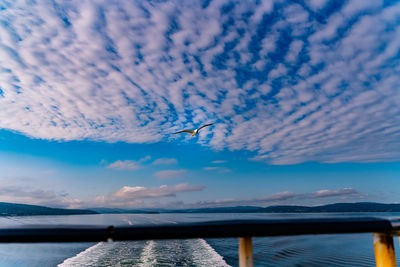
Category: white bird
[194,132]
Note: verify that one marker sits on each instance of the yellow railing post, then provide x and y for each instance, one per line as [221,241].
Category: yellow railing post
[245,252]
[384,250]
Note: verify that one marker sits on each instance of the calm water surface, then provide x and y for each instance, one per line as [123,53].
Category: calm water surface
[314,250]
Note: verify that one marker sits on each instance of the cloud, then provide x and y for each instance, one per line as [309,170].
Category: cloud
[218,169]
[138,192]
[127,164]
[316,81]
[218,161]
[134,165]
[169,174]
[37,196]
[316,4]
[125,197]
[279,198]
[282,196]
[334,193]
[124,165]
[165,161]
[133,195]
[145,197]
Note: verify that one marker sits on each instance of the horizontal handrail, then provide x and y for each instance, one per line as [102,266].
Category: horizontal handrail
[383,231]
[212,229]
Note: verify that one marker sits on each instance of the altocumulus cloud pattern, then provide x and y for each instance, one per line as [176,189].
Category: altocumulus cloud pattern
[293,81]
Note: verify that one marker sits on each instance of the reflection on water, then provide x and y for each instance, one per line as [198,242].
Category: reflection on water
[314,250]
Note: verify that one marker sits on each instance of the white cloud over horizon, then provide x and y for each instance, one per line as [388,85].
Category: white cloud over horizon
[149,197]
[333,193]
[283,197]
[134,195]
[282,80]
[37,196]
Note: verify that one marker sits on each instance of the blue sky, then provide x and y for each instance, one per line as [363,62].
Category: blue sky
[303,96]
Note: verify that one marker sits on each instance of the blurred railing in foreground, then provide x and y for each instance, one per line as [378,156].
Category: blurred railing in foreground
[383,231]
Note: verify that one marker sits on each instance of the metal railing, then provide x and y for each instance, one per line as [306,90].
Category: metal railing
[383,231]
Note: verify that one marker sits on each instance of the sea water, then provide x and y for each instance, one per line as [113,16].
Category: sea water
[308,250]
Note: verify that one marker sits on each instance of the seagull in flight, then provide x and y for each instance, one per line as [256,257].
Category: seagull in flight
[194,132]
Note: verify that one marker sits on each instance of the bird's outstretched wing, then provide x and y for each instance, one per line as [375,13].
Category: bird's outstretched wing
[184,131]
[206,125]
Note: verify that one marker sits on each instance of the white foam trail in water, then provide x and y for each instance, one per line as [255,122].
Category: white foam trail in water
[128,221]
[148,257]
[151,253]
[87,257]
[204,255]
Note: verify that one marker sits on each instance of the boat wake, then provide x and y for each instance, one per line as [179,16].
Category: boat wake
[195,252]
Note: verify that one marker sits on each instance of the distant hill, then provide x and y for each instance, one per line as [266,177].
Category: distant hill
[119,211]
[337,207]
[12,209]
